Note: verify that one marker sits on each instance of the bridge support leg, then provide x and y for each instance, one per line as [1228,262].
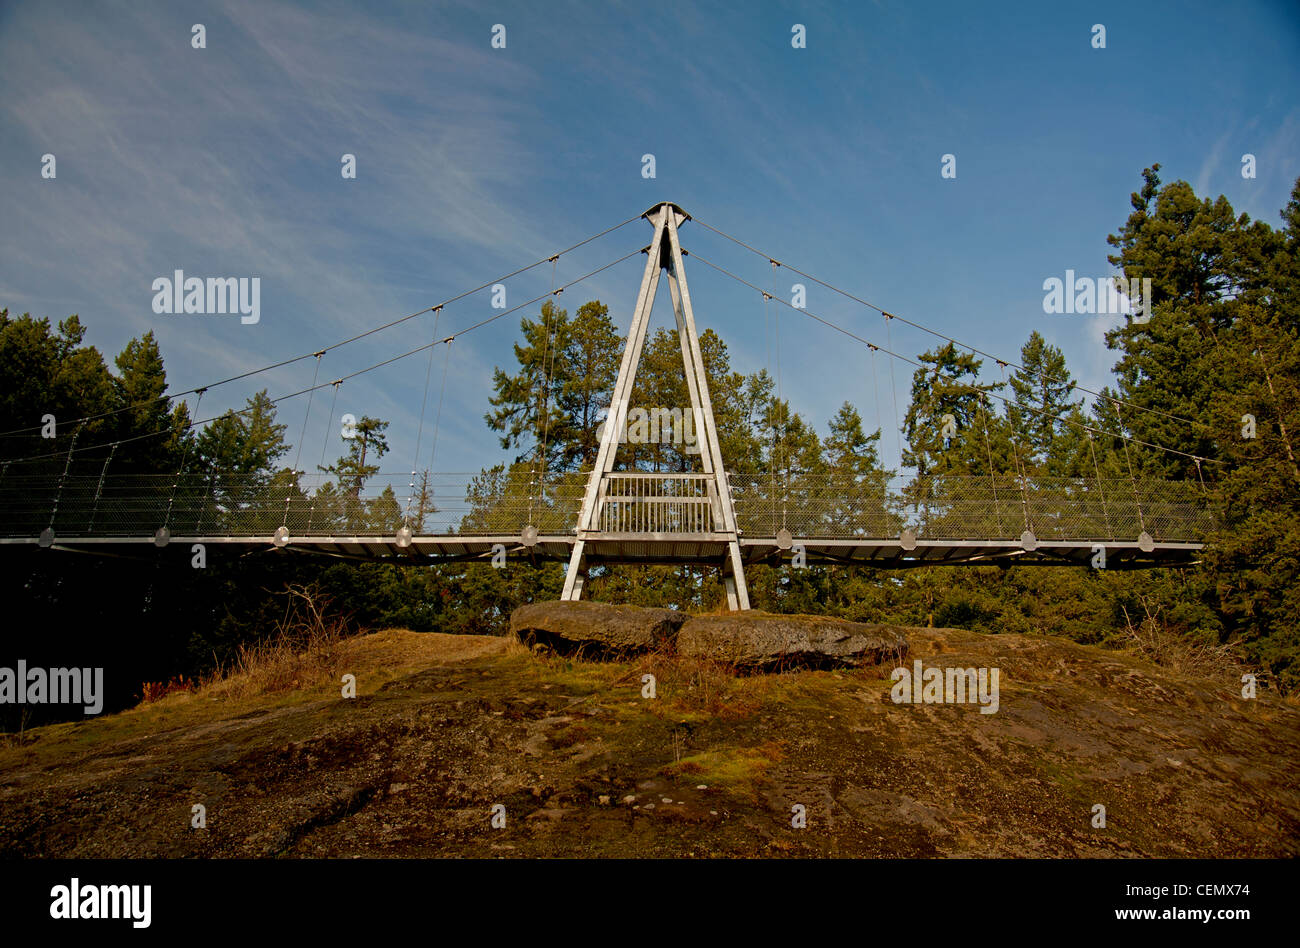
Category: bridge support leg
[733,601]
[573,579]
[733,578]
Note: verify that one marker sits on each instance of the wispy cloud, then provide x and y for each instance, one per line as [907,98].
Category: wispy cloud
[473,161]
[1210,164]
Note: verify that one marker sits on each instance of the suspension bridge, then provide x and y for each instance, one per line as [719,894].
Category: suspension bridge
[605,516]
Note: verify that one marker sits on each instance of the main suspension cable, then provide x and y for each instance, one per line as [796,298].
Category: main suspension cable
[902,358]
[369,368]
[936,333]
[361,335]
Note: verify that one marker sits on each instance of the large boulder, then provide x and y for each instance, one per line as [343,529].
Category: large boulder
[594,628]
[763,641]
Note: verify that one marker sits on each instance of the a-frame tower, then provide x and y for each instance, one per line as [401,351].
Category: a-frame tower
[631,511]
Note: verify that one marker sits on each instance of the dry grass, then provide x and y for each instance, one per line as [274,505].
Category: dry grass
[375,659]
[719,609]
[687,688]
[1153,638]
[304,650]
[402,648]
[315,645]
[693,687]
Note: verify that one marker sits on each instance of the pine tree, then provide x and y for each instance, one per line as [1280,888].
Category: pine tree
[420,504]
[530,404]
[848,448]
[587,366]
[1253,559]
[242,446]
[947,384]
[1041,398]
[232,463]
[384,513]
[368,445]
[152,442]
[44,372]
[1199,259]
[856,484]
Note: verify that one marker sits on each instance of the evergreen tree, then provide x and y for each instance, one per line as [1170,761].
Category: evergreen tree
[1198,257]
[1041,396]
[1253,561]
[420,504]
[738,438]
[588,366]
[153,433]
[367,446]
[384,513]
[848,449]
[44,372]
[856,484]
[233,462]
[242,446]
[530,404]
[947,384]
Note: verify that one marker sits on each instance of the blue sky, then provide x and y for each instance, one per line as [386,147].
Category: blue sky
[474,161]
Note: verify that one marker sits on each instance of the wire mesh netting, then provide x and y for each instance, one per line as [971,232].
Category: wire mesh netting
[502,502]
[952,507]
[80,504]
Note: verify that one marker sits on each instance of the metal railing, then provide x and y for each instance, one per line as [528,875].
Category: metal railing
[643,502]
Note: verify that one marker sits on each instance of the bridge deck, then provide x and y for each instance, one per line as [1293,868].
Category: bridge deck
[946,519]
[887,553]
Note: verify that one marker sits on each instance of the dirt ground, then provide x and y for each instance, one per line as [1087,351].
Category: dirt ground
[447,730]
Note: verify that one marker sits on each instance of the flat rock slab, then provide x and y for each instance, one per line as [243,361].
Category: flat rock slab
[762,640]
[593,627]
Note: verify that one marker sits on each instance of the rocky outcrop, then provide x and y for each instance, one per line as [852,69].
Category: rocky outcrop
[761,641]
[753,640]
[445,727]
[593,628]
